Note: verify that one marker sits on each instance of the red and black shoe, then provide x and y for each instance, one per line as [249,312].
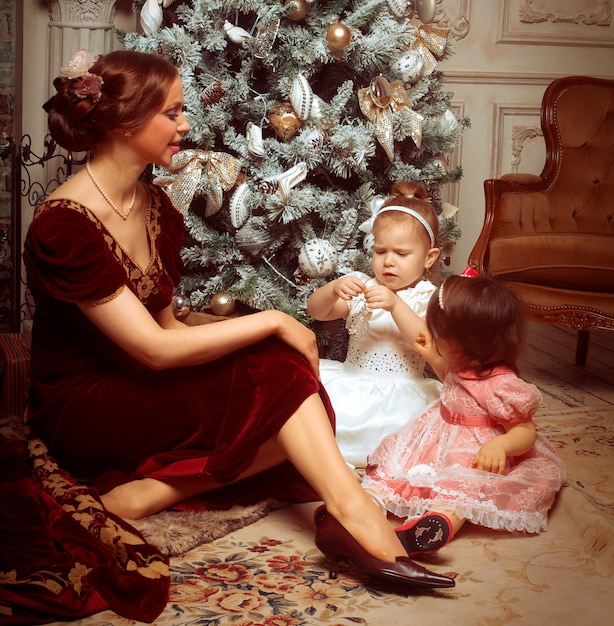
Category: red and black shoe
[428,533]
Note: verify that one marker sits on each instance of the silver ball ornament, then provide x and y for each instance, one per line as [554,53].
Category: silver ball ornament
[181,306]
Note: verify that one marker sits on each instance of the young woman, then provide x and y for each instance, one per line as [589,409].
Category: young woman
[148,409]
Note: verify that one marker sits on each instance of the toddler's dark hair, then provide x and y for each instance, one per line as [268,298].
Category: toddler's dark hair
[484,316]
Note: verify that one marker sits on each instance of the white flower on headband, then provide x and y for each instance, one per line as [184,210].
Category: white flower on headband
[87,85]
[79,65]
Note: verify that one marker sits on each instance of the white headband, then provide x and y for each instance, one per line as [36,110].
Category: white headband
[404,209]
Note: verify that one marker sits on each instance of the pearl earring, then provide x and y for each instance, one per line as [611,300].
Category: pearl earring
[128,133]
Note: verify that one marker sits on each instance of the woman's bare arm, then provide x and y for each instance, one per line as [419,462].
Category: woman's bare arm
[161,345]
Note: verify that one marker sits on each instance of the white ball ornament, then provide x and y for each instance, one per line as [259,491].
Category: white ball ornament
[255,143]
[408,67]
[239,211]
[317,258]
[301,97]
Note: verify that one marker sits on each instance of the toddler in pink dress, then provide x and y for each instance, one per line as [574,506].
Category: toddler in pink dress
[474,454]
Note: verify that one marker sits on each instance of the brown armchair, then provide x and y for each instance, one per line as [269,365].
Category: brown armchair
[551,237]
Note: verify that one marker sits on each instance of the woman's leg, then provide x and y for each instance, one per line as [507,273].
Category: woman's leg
[307,440]
[147,496]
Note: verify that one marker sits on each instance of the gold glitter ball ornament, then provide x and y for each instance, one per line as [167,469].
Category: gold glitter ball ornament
[222,303]
[338,36]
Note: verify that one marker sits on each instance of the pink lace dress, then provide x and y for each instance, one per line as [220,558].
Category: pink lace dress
[426,464]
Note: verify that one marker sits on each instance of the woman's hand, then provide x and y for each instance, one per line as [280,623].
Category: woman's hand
[162,343]
[301,338]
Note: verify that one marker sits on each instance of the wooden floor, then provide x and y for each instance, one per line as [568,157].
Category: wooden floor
[549,363]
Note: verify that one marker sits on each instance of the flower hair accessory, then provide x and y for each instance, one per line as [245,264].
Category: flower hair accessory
[87,85]
[468,272]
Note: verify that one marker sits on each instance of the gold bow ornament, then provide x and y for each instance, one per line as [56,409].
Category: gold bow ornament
[221,170]
[430,43]
[379,101]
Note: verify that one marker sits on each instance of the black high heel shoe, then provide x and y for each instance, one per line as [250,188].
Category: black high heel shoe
[339,545]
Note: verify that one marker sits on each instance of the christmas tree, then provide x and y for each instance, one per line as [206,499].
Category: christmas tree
[303,114]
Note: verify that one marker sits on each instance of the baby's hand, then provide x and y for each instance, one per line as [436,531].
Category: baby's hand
[424,346]
[380,297]
[491,457]
[348,287]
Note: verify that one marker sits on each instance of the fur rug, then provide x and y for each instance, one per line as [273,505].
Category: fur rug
[177,532]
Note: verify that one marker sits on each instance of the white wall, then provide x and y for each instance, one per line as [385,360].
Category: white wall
[506,53]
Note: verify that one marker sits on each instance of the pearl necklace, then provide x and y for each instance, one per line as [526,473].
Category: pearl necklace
[104,194]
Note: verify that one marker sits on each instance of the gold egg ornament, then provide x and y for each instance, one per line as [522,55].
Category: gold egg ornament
[284,120]
[338,36]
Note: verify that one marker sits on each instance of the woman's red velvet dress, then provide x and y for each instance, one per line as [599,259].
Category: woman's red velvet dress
[105,417]
[97,418]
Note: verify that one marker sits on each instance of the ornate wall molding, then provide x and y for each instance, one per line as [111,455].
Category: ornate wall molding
[476,77]
[520,135]
[598,16]
[556,23]
[94,12]
[75,24]
[515,127]
[457,23]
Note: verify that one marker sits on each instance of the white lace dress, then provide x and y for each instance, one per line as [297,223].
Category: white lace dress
[426,465]
[381,384]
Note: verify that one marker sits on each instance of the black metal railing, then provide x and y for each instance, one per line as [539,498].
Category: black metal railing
[55,166]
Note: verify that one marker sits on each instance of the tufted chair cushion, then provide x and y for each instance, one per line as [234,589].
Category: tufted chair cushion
[552,236]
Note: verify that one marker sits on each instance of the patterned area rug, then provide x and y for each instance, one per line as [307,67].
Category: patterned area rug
[270,573]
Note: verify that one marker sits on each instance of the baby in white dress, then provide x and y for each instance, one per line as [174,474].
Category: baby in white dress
[381,384]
